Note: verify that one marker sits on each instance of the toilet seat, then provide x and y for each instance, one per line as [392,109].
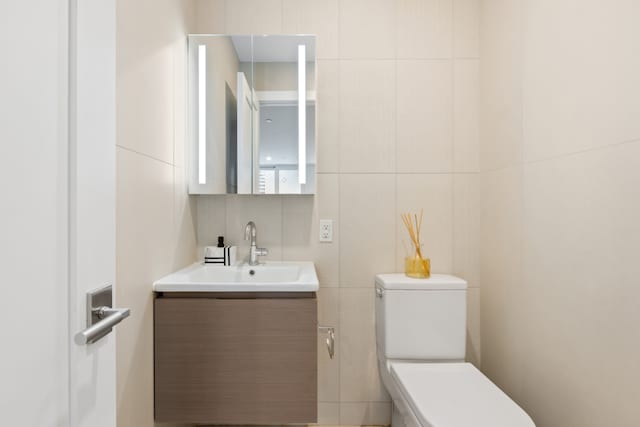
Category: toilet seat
[455,395]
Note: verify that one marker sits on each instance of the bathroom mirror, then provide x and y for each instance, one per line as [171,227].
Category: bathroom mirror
[252,114]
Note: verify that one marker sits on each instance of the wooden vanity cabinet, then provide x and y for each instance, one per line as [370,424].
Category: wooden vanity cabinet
[223,358]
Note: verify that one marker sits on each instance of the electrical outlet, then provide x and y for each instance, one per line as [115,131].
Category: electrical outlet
[326,230]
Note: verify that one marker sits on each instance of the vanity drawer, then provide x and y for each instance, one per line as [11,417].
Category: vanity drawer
[236,360]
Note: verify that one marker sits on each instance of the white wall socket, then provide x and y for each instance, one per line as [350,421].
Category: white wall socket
[326,230]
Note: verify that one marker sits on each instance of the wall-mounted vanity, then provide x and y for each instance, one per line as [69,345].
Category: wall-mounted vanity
[237,344]
[252,108]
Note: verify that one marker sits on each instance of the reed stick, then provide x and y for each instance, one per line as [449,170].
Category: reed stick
[414,231]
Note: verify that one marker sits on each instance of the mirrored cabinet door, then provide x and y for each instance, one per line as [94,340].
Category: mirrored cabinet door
[284,81]
[219,114]
[252,114]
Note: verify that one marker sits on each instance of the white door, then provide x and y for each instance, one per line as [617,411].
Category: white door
[57,180]
[255,146]
[244,121]
[92,204]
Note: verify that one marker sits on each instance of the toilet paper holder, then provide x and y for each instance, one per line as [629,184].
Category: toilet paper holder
[331,339]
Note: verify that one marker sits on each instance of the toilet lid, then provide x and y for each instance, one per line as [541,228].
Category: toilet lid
[456,395]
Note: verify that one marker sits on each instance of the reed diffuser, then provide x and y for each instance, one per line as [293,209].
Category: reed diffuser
[415,265]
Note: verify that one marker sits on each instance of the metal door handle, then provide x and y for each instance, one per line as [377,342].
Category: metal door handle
[109,317]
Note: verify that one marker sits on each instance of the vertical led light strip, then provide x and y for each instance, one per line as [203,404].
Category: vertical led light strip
[302,114]
[202,114]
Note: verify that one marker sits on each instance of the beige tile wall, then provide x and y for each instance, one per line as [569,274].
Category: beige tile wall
[155,223]
[560,149]
[397,130]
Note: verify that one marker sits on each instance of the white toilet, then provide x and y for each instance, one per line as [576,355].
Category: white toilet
[421,335]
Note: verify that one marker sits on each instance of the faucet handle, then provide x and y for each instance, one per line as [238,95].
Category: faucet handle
[262,251]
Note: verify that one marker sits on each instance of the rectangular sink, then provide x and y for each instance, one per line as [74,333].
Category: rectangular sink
[272,276]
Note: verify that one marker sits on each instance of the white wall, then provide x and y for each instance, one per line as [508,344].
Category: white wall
[397,123]
[155,224]
[559,158]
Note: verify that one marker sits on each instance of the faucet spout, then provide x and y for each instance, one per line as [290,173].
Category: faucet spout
[250,234]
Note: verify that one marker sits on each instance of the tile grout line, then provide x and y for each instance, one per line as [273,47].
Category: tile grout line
[524,163]
[402,173]
[453,143]
[339,177]
[339,326]
[521,186]
[454,69]
[148,156]
[174,215]
[579,152]
[396,168]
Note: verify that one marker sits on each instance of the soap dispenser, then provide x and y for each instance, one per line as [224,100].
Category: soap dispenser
[215,254]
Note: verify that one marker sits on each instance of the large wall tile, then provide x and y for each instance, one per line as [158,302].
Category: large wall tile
[253,16]
[425,28]
[184,210]
[466,115]
[301,228]
[425,123]
[560,236]
[210,17]
[144,249]
[473,327]
[329,369]
[434,194]
[148,52]
[502,302]
[359,378]
[327,116]
[466,28]
[367,116]
[212,220]
[319,17]
[180,102]
[145,188]
[367,221]
[582,85]
[466,227]
[581,239]
[328,413]
[501,84]
[140,34]
[373,40]
[365,413]
[144,89]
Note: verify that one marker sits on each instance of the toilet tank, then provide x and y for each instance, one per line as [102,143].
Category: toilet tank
[421,319]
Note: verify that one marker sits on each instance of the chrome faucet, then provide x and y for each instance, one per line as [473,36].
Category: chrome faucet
[254,250]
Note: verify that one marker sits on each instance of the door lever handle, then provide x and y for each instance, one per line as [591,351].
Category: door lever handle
[109,317]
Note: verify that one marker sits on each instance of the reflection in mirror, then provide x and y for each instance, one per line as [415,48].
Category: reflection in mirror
[252,114]
[284,80]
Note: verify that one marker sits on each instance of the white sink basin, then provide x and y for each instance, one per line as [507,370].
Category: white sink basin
[272,276]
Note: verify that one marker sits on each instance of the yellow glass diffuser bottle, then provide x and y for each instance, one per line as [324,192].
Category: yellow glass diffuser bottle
[415,265]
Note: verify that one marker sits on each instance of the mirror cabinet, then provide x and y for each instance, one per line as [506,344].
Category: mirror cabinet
[251,115]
